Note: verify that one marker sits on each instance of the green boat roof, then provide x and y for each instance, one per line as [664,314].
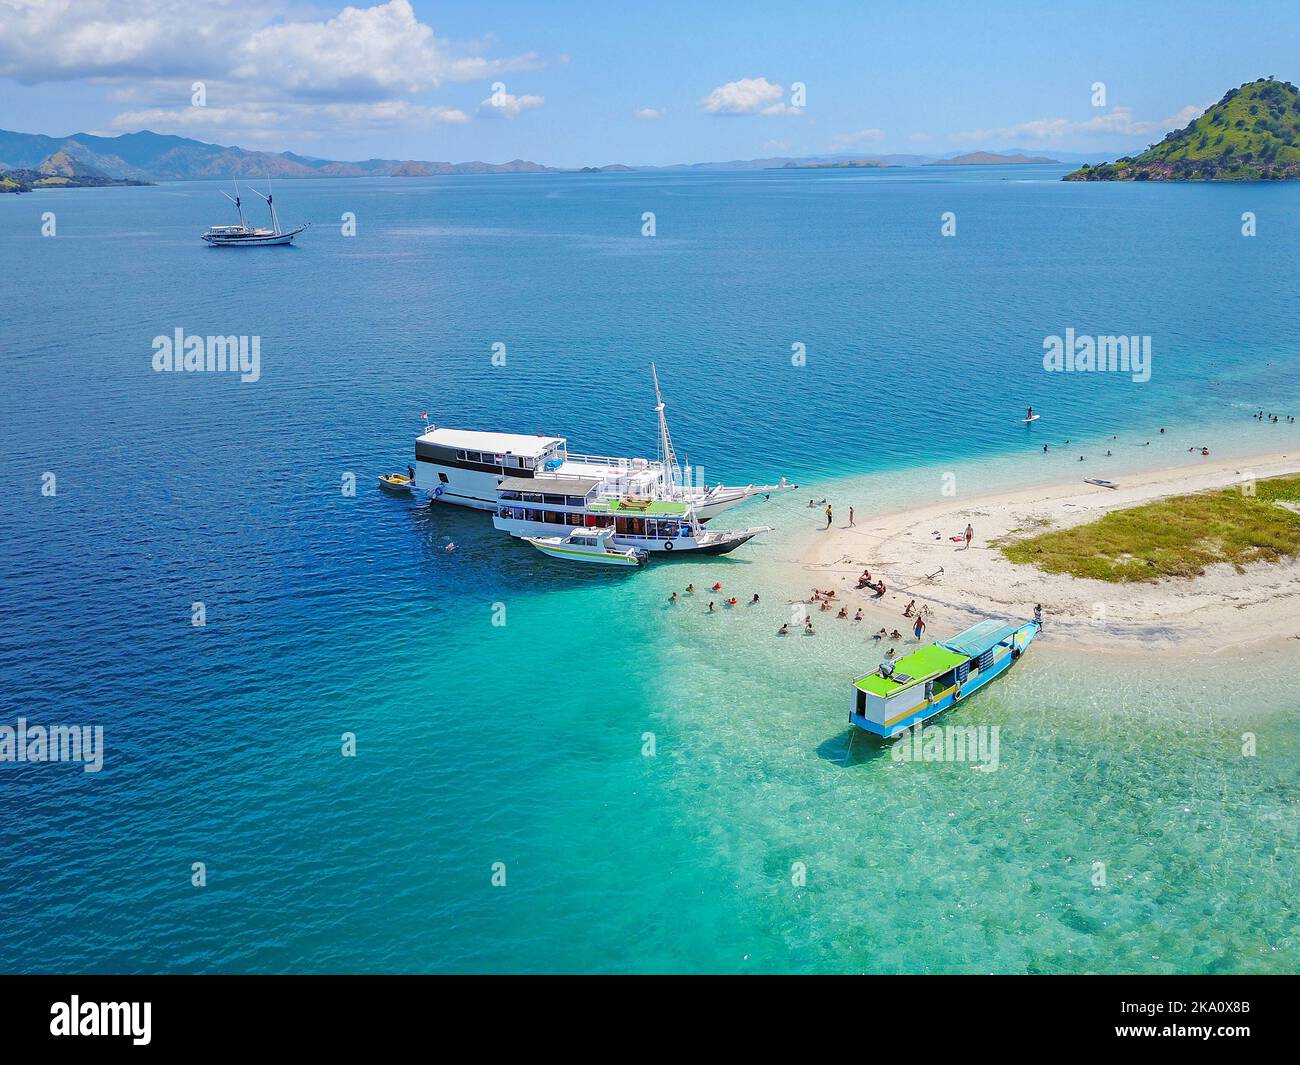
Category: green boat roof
[657,509]
[917,667]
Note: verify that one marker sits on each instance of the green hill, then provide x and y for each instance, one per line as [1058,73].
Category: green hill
[1252,134]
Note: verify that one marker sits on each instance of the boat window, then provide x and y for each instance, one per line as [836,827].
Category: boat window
[575,501]
[944,681]
[460,454]
[532,497]
[862,702]
[555,501]
[443,478]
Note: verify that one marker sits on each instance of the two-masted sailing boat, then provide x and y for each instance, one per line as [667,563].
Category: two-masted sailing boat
[244,235]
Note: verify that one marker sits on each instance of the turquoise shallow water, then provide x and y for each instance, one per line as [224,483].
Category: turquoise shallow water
[523,743]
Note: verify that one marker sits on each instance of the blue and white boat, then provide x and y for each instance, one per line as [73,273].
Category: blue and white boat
[898,695]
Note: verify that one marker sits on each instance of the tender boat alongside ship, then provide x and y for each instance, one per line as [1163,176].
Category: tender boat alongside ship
[900,694]
[590,545]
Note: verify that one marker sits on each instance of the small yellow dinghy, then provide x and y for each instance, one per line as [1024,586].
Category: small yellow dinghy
[396,482]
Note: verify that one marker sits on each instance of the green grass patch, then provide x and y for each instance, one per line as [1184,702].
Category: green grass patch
[1175,537]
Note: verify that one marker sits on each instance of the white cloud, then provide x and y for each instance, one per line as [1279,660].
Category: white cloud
[378,50]
[1117,122]
[266,64]
[649,114]
[504,105]
[302,119]
[749,96]
[862,136]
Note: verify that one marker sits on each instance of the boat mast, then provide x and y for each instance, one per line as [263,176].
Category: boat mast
[672,471]
[270,202]
[239,206]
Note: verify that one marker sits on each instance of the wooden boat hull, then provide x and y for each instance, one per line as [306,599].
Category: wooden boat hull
[269,240]
[570,554]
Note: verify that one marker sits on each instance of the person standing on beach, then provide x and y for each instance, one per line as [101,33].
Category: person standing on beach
[970,535]
[828,515]
[851,521]
[918,626]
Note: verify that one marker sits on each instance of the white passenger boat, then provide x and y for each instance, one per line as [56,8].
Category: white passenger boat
[466,466]
[246,236]
[590,545]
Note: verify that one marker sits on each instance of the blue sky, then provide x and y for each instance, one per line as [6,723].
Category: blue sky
[573,84]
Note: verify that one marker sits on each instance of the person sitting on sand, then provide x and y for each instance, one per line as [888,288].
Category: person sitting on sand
[784,630]
[880,589]
[907,610]
[858,615]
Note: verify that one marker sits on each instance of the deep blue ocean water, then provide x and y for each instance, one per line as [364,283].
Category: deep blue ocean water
[523,743]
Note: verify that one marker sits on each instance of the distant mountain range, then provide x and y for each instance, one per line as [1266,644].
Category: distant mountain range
[88,159]
[1252,134]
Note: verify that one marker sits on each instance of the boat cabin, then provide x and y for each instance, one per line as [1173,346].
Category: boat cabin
[465,466]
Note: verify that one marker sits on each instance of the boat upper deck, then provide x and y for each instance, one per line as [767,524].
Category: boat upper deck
[491,443]
[911,670]
[659,508]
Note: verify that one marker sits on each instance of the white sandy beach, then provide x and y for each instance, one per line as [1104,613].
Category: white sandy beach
[1221,610]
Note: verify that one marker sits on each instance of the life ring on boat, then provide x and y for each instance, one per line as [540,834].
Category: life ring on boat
[956,693]
[438,491]
[668,545]
[1016,653]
